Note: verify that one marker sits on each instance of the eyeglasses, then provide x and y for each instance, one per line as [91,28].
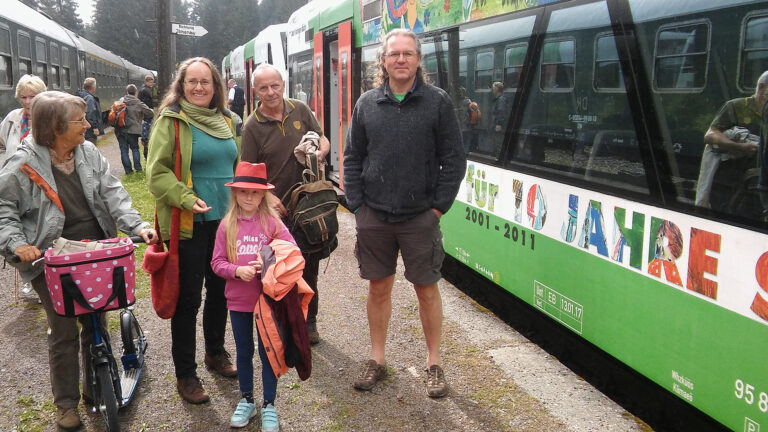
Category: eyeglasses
[394,55]
[82,120]
[194,83]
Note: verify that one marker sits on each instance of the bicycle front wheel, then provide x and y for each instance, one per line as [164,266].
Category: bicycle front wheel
[106,392]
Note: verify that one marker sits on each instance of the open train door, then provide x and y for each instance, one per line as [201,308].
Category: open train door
[345,97]
[317,72]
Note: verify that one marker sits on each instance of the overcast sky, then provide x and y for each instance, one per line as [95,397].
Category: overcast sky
[85,10]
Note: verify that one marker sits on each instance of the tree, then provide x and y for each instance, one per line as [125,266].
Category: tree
[63,12]
[229,24]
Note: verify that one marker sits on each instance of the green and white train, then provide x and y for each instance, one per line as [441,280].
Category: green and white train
[582,206]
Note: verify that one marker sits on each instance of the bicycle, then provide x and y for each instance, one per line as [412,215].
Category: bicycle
[112,388]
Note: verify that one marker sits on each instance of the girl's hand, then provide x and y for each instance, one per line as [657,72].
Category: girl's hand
[245,273]
[256,264]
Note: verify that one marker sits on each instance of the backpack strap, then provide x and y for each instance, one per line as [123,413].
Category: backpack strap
[42,184]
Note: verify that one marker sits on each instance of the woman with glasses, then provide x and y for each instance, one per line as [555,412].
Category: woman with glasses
[59,185]
[208,136]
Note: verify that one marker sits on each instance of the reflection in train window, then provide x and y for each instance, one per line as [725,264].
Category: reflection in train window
[65,78]
[55,77]
[607,68]
[6,59]
[25,53]
[483,70]
[582,133]
[514,57]
[558,66]
[463,70]
[368,68]
[41,57]
[754,51]
[681,57]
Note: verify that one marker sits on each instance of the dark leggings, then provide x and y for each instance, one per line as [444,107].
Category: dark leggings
[242,329]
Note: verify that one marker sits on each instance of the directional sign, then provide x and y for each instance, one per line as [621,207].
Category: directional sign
[188,30]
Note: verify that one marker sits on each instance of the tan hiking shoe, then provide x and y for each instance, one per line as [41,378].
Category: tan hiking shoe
[191,390]
[221,364]
[371,373]
[68,418]
[436,385]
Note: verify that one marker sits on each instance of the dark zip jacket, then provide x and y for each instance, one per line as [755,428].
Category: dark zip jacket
[403,158]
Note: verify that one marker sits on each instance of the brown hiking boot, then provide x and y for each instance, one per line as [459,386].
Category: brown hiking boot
[221,364]
[371,373]
[191,390]
[436,385]
[68,418]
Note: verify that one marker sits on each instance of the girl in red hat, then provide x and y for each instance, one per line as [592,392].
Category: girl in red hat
[249,224]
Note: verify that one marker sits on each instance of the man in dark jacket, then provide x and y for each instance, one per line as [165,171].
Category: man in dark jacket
[92,109]
[403,164]
[235,98]
[128,137]
[146,97]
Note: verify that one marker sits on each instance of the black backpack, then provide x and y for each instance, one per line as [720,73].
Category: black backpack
[311,206]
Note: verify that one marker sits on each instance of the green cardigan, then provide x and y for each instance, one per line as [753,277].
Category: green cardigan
[161,180]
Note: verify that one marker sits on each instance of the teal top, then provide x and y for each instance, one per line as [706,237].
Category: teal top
[211,167]
[399,97]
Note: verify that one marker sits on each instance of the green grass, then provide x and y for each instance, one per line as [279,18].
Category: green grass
[144,203]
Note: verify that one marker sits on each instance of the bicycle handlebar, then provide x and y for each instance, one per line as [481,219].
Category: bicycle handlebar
[14,259]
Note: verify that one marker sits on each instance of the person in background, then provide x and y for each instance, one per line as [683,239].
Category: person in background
[236,98]
[250,224]
[146,96]
[300,93]
[209,142]
[93,110]
[398,201]
[15,126]
[733,139]
[500,115]
[92,205]
[128,137]
[265,140]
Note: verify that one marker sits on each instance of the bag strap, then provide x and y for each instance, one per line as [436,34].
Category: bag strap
[72,292]
[42,184]
[173,246]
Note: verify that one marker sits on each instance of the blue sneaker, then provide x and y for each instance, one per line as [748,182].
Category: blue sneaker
[243,414]
[269,419]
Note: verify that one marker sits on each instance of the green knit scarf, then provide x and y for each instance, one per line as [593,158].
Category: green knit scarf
[208,120]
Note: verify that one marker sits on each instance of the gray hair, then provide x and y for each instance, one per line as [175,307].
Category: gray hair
[381,71]
[89,83]
[51,113]
[763,78]
[266,66]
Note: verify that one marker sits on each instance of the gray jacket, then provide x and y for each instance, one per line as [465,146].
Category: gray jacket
[135,111]
[29,217]
[403,158]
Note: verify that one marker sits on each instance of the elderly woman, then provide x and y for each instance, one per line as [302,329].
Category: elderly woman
[15,126]
[91,204]
[209,142]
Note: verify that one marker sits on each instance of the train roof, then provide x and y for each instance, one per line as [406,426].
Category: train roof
[298,25]
[91,48]
[26,16]
[329,12]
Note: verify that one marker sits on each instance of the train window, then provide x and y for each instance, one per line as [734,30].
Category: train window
[480,45]
[754,52]
[65,78]
[368,67]
[25,53]
[483,70]
[41,56]
[607,73]
[6,58]
[681,57]
[558,66]
[581,134]
[514,57]
[55,76]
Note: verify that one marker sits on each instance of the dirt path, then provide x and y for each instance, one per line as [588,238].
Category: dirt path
[483,395]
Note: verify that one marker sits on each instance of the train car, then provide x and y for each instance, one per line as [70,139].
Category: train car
[582,204]
[31,42]
[269,46]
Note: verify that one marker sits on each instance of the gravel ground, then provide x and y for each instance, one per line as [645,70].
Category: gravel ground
[499,380]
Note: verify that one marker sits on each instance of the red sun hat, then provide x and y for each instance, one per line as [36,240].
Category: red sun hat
[251,176]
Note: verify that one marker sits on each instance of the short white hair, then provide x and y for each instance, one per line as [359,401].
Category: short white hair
[763,78]
[268,66]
